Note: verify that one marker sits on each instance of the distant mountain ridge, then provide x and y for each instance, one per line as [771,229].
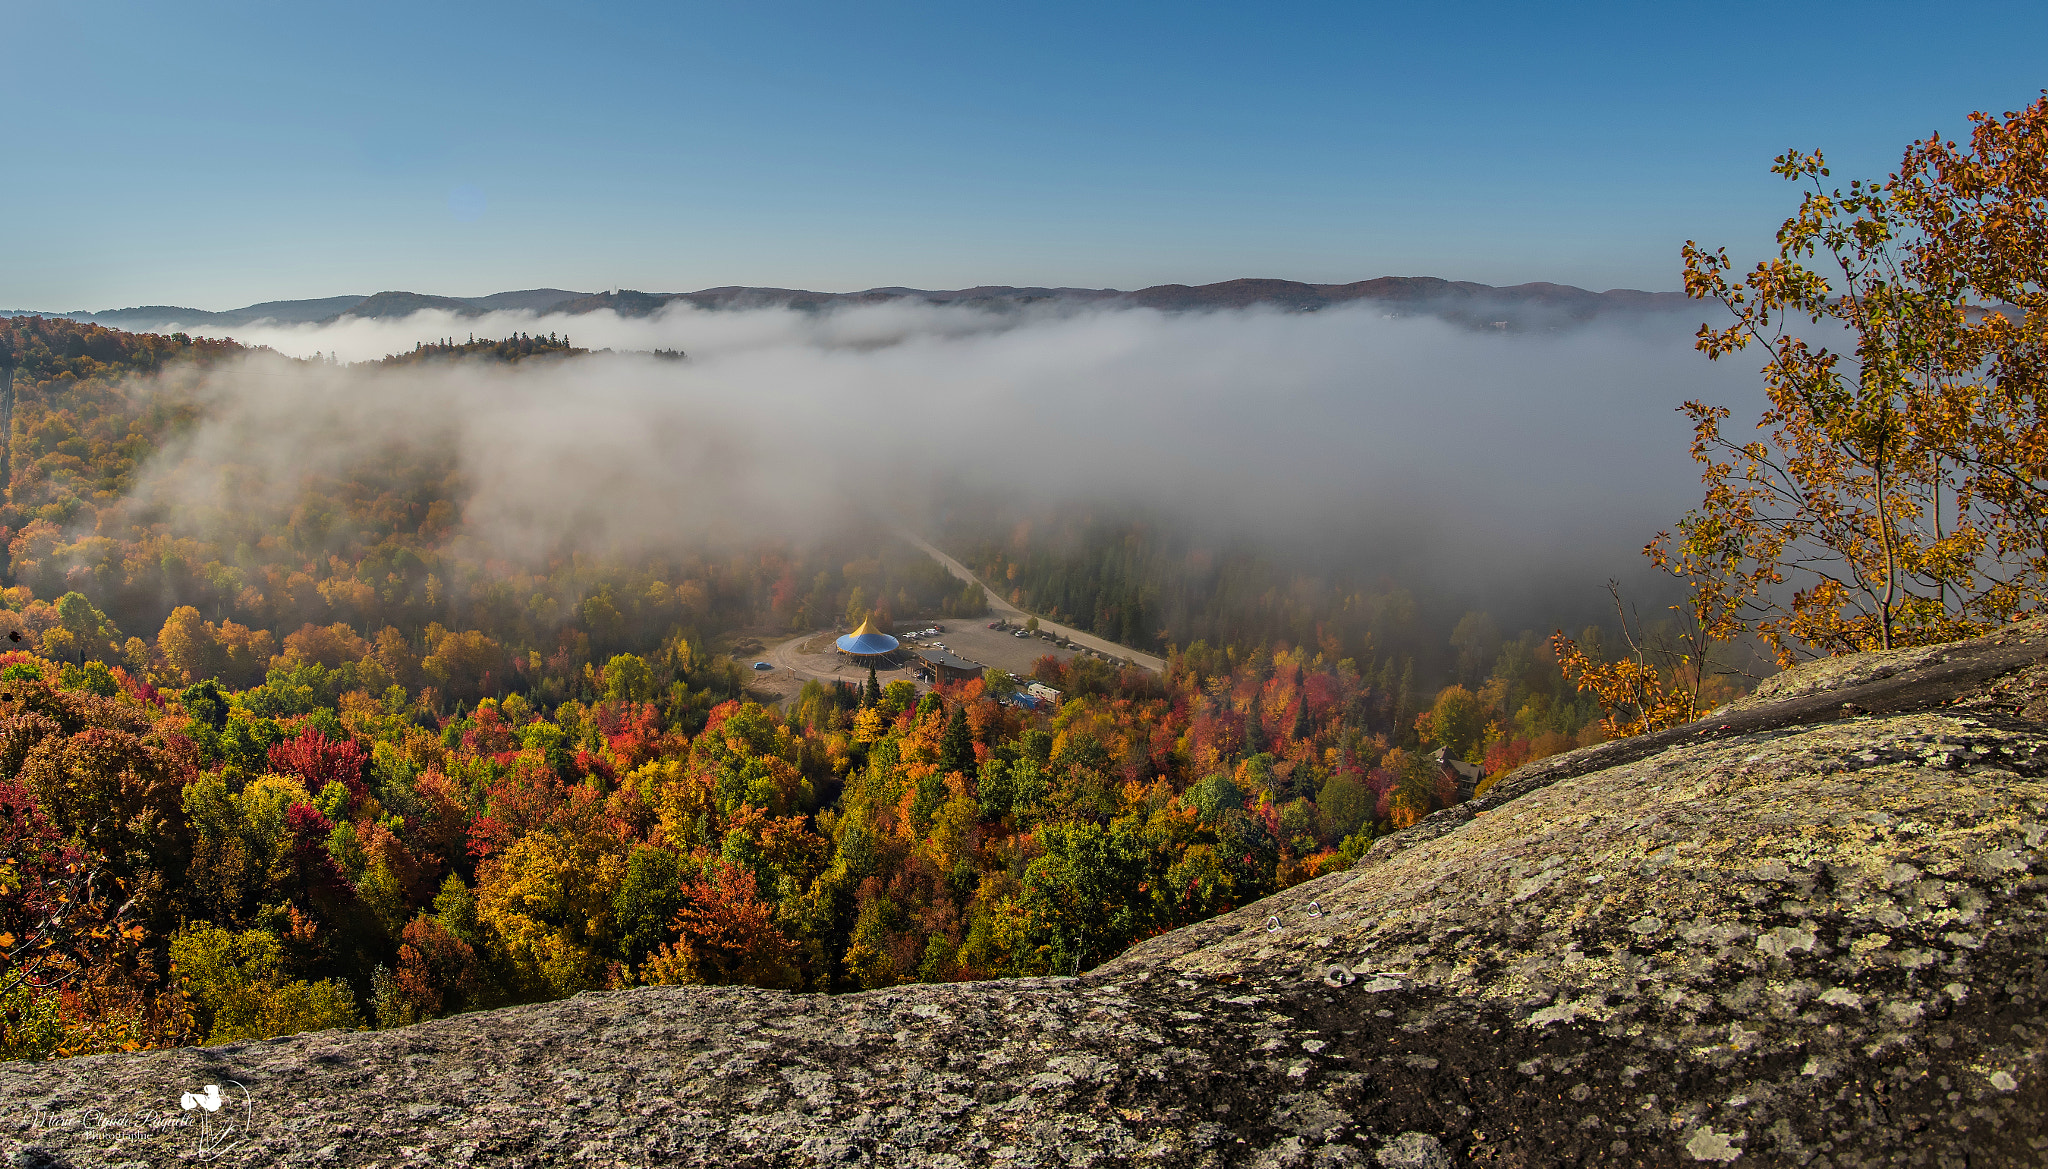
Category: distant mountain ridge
[1519,306]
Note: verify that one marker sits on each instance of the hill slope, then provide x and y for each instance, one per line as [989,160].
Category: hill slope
[1806,931]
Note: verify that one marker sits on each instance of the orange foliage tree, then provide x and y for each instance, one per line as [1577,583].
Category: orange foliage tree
[1899,492]
[1656,684]
[727,936]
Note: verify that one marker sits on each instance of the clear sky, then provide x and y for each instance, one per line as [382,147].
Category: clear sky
[216,154]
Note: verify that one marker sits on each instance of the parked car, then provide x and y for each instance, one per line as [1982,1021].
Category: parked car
[764,665]
[1020,633]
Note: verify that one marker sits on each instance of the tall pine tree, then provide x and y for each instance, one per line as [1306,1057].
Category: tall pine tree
[956,745]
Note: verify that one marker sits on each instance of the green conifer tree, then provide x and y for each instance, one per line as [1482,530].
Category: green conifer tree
[956,745]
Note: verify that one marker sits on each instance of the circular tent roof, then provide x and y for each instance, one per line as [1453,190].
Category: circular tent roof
[867,641]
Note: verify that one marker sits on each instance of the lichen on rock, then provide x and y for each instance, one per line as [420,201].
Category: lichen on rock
[1792,934]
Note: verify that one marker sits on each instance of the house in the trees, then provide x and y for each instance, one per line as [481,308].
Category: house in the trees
[946,666]
[1462,777]
[1037,696]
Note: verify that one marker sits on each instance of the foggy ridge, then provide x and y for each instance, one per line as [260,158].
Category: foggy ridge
[1516,469]
[1521,306]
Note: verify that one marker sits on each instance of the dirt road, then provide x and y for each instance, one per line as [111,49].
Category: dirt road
[1002,608]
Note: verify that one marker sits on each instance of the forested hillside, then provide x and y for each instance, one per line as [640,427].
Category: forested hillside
[374,550]
[321,764]
[1153,580]
[1141,581]
[316,851]
[517,347]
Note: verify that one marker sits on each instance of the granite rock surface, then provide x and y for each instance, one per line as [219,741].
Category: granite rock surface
[1807,930]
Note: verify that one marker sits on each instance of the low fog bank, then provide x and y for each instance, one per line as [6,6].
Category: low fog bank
[1519,470]
[700,332]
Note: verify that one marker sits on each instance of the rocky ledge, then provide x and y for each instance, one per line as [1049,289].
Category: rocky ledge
[1807,930]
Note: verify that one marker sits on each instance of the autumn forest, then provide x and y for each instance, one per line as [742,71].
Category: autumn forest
[319,760]
[300,744]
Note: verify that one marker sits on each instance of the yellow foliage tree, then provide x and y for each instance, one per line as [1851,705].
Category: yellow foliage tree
[1638,694]
[544,903]
[237,988]
[867,725]
[1456,721]
[198,649]
[1634,693]
[1899,493]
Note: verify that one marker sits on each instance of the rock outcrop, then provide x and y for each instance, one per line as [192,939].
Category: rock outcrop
[1805,931]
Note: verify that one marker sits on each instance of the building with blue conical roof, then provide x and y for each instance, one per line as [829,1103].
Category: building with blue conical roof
[868,646]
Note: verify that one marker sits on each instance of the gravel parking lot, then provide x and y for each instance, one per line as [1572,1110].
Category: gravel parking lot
[811,655]
[974,640]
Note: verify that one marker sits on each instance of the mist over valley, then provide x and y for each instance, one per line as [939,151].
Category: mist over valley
[1048,585]
[1512,470]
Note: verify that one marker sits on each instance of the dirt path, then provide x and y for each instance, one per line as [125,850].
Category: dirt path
[785,656]
[1003,608]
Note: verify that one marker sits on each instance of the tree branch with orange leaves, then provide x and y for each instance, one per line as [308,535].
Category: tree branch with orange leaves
[1898,492]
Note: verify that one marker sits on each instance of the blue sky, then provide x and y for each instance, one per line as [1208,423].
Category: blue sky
[214,155]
